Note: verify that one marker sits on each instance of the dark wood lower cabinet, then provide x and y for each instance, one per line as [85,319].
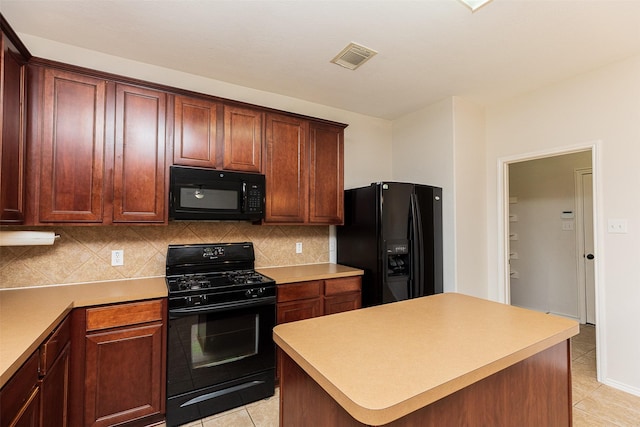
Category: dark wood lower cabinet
[119,364]
[313,298]
[299,310]
[54,390]
[20,397]
[303,300]
[101,366]
[123,374]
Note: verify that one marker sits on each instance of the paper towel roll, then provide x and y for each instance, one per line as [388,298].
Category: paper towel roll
[27,238]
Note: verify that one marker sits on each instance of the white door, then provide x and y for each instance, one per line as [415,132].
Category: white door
[589,255]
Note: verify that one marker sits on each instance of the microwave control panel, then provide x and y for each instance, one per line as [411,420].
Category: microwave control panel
[255,197]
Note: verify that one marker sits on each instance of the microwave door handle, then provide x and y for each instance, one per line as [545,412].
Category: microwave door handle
[244,197]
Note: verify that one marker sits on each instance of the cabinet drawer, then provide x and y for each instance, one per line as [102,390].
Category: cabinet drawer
[53,346]
[342,285]
[342,302]
[114,316]
[15,395]
[299,310]
[302,290]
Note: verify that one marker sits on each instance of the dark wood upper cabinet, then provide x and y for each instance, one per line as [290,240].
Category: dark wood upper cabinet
[286,170]
[212,135]
[326,174]
[139,166]
[12,129]
[97,150]
[304,171]
[195,132]
[82,147]
[242,139]
[71,151]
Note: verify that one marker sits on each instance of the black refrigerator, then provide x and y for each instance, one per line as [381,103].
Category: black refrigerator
[393,231]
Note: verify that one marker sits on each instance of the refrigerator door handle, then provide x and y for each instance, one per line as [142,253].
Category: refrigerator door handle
[417,242]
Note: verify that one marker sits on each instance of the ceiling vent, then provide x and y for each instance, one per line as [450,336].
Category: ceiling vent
[353,56]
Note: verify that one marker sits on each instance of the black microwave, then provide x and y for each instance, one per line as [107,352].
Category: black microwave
[215,195]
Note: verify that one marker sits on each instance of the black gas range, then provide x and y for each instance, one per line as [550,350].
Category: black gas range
[221,314]
[214,274]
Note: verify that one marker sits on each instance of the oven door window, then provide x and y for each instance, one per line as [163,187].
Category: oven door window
[216,341]
[210,348]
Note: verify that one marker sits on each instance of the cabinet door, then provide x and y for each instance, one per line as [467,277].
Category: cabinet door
[12,132]
[54,389]
[286,169]
[195,132]
[326,182]
[72,148]
[242,139]
[139,167]
[123,375]
[29,415]
[20,397]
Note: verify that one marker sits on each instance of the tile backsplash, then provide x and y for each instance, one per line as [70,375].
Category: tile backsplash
[83,254]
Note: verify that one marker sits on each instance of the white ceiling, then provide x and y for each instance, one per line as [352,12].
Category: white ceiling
[428,50]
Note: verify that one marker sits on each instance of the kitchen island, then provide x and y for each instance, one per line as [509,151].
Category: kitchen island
[447,359]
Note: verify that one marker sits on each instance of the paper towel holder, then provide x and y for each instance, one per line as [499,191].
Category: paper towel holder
[28,238]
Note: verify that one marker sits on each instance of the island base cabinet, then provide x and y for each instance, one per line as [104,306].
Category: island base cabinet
[533,392]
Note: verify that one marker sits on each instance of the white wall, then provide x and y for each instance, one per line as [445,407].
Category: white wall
[604,106]
[547,252]
[469,175]
[367,139]
[423,153]
[444,145]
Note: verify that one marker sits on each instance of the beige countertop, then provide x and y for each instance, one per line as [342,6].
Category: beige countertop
[303,273]
[381,363]
[28,315]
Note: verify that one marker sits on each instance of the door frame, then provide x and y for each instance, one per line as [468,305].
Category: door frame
[504,289]
[582,283]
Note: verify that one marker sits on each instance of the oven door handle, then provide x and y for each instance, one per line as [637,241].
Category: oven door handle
[216,308]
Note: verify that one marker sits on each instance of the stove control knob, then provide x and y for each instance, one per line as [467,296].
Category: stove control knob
[188,300]
[203,299]
[260,291]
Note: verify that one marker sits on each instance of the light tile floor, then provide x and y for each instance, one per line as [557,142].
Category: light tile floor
[594,404]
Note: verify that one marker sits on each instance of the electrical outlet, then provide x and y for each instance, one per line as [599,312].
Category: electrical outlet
[117,257]
[299,247]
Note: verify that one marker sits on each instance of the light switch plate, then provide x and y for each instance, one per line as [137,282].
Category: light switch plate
[299,247]
[617,226]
